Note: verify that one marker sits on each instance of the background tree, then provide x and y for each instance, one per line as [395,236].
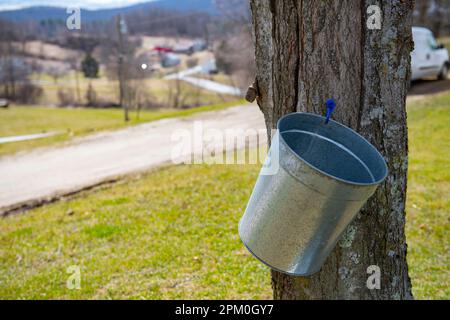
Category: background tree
[56,71]
[176,92]
[15,69]
[89,66]
[309,51]
[433,14]
[235,57]
[8,60]
[74,66]
[65,97]
[91,96]
[235,52]
[422,7]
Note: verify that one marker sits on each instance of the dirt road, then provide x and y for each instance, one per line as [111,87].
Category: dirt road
[428,87]
[46,174]
[203,83]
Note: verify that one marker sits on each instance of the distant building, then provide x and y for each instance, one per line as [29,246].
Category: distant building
[184,48]
[170,60]
[210,67]
[199,45]
[190,47]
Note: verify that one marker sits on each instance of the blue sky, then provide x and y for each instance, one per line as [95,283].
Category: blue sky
[88,4]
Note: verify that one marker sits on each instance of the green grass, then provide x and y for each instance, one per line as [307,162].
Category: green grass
[172,233]
[76,122]
[428,204]
[445,41]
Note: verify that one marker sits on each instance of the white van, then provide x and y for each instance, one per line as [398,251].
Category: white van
[429,59]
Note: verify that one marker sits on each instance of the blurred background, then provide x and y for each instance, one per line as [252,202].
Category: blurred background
[44,63]
[85,98]
[122,56]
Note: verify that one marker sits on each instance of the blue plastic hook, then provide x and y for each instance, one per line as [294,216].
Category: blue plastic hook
[330,104]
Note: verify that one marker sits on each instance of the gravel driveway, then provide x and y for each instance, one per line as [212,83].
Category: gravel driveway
[45,174]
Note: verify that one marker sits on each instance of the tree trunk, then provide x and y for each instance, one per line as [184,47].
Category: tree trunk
[439,17]
[423,6]
[77,81]
[309,51]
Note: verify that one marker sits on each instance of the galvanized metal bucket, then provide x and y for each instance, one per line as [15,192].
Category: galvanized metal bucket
[326,173]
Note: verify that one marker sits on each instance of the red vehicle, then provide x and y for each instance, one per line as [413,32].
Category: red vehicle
[162,49]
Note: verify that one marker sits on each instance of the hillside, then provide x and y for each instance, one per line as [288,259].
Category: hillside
[39,13]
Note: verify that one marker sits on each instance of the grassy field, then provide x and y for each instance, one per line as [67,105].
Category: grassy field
[76,122]
[428,205]
[107,90]
[172,233]
[57,57]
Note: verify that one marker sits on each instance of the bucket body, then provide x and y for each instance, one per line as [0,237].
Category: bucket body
[325,174]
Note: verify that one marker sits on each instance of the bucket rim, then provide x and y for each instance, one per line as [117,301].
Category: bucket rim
[349,182]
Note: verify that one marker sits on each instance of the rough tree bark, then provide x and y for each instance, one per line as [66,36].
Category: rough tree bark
[308,51]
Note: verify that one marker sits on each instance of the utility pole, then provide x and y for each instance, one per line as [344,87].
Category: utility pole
[74,66]
[206,32]
[77,81]
[11,71]
[121,31]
